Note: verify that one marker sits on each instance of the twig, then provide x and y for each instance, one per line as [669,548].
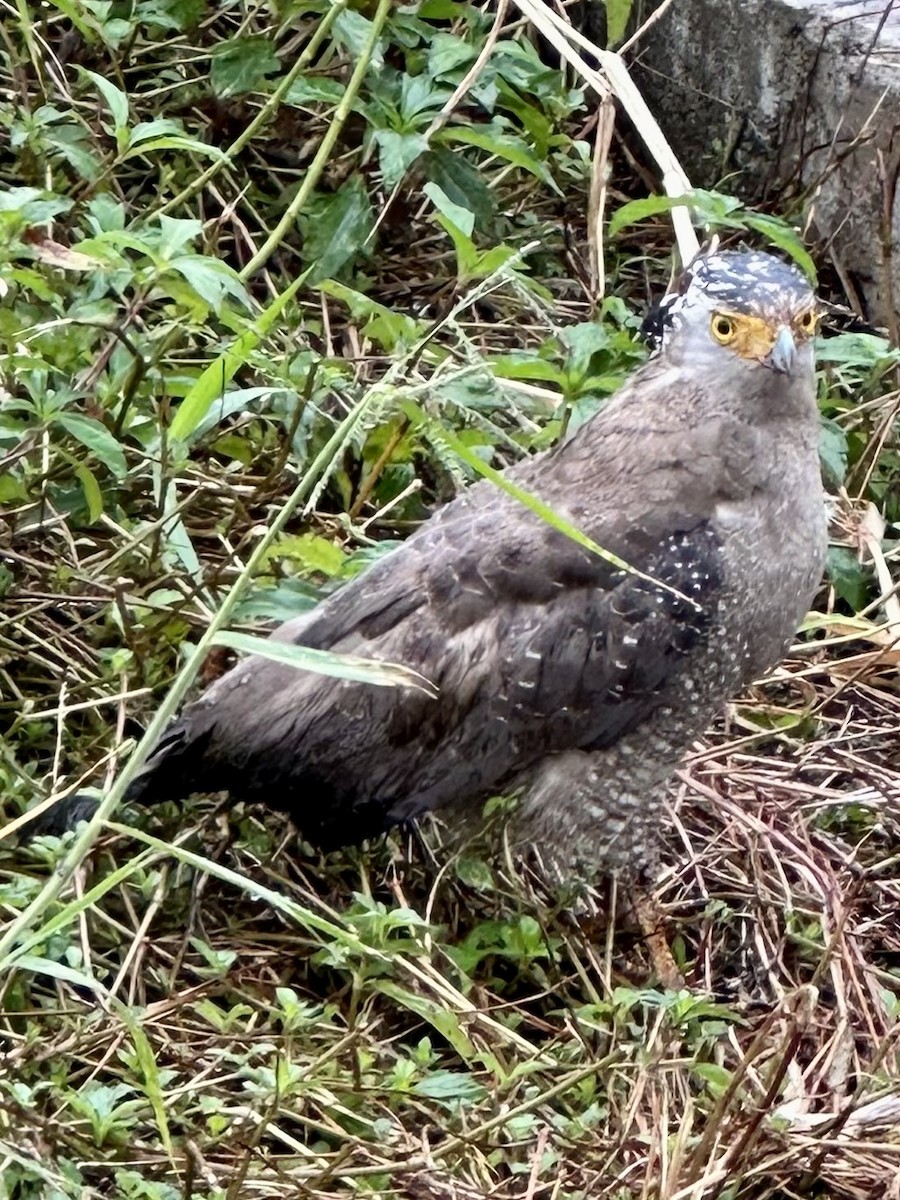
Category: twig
[323,154]
[615,78]
[271,106]
[606,120]
[467,81]
[648,24]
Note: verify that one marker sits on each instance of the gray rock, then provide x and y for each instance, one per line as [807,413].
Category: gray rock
[798,99]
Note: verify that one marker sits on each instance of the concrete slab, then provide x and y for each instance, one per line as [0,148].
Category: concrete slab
[795,99]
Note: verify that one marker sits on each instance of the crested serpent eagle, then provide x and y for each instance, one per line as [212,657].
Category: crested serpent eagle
[560,678]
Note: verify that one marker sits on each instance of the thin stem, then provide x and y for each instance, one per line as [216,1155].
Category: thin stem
[323,154]
[307,55]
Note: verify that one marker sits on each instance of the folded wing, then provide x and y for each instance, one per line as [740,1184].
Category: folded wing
[535,645]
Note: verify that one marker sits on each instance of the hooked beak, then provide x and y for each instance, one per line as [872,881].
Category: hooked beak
[783,353]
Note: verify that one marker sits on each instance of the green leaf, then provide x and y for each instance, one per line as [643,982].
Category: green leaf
[863,350]
[477,391]
[848,577]
[97,438]
[55,970]
[106,214]
[152,1078]
[211,279]
[489,261]
[526,364]
[144,130]
[534,122]
[397,152]
[115,31]
[475,873]
[237,401]
[447,53]
[89,28]
[440,10]
[74,145]
[314,89]
[780,234]
[450,1085]
[219,962]
[617,14]
[639,210]
[418,98]
[93,497]
[175,233]
[717,1077]
[241,65]
[116,101]
[313,552]
[716,208]
[12,490]
[281,603]
[177,540]
[172,14]
[326,662]
[466,254]
[459,223]
[519,63]
[32,205]
[353,31]
[442,1018]
[389,328]
[462,218]
[180,142]
[460,183]
[495,140]
[215,377]
[233,445]
[336,229]
[833,452]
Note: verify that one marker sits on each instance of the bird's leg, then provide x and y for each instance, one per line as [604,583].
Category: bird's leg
[585,812]
[652,924]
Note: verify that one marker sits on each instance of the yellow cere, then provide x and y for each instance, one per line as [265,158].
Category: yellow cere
[754,337]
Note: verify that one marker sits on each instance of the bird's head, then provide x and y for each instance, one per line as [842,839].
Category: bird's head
[742,308]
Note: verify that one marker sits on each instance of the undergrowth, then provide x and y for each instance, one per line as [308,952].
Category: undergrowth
[275,280]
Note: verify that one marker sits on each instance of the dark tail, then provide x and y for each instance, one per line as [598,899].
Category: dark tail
[64,815]
[170,773]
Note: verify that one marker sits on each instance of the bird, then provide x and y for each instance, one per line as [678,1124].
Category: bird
[572,681]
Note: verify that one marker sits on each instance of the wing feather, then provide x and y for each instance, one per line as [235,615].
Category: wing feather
[535,644]
[535,648]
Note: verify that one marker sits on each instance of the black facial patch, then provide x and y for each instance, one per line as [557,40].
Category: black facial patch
[658,321]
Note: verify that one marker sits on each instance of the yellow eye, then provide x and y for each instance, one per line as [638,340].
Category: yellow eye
[808,321]
[723,329]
